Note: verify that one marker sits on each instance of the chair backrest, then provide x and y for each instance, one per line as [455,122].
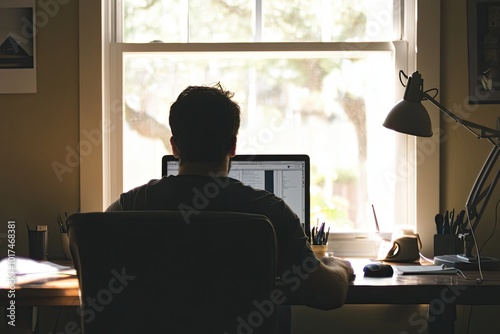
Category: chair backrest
[174,272]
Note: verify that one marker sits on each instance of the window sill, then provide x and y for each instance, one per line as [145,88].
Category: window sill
[354,244]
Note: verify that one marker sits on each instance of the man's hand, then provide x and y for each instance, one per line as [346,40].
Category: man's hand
[332,261]
[327,286]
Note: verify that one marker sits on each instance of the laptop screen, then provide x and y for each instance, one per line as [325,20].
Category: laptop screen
[287,176]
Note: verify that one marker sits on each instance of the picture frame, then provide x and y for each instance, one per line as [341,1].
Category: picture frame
[483,37]
[17,47]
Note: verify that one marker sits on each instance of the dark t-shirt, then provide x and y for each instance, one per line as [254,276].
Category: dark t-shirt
[204,193]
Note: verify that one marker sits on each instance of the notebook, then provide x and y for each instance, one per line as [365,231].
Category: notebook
[426,270]
[287,176]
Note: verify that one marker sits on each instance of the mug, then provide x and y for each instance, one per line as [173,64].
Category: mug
[404,247]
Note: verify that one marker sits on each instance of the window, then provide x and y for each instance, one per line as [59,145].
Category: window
[314,77]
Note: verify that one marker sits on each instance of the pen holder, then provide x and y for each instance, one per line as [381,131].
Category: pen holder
[320,250]
[447,244]
[65,246]
[37,243]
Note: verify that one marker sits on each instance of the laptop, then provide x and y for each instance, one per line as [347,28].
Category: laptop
[285,175]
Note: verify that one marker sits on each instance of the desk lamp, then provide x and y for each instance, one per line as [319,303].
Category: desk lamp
[410,117]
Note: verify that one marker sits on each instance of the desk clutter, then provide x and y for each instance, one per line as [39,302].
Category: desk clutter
[63,228]
[447,223]
[29,271]
[318,234]
[378,270]
[426,270]
[319,239]
[404,246]
[38,242]
[451,233]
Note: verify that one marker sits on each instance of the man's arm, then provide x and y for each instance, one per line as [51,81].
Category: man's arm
[326,286]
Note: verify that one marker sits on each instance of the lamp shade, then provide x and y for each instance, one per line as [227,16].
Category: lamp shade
[409,118]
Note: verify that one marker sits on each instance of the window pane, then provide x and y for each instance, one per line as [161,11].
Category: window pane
[215,21]
[145,21]
[218,21]
[327,105]
[328,21]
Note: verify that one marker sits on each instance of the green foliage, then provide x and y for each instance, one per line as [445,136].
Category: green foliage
[331,210]
[346,176]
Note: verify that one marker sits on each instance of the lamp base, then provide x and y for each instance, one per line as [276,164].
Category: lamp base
[462,262]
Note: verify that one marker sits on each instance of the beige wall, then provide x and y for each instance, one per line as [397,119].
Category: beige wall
[462,155]
[37,130]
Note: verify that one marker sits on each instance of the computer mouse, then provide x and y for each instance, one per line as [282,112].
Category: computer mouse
[378,270]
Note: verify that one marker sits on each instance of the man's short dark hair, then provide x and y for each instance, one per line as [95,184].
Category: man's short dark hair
[204,121]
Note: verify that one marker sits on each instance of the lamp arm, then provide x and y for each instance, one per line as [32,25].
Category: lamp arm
[481,191]
[485,132]
[480,194]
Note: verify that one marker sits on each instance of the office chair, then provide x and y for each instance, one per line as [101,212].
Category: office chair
[174,272]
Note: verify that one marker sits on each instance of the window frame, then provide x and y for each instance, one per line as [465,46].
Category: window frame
[97,106]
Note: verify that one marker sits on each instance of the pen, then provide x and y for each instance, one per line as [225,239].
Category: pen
[446,223]
[320,234]
[459,228]
[59,221]
[452,215]
[439,223]
[376,220]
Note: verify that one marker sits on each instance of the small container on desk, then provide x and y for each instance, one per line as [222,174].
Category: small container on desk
[319,240]
[447,244]
[320,250]
[38,242]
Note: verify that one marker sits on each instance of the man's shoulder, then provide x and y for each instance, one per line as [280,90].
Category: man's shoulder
[171,189]
[135,198]
[180,184]
[143,187]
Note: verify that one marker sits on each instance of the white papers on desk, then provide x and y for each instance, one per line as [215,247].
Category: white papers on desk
[25,270]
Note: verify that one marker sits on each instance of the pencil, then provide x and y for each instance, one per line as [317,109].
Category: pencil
[376,220]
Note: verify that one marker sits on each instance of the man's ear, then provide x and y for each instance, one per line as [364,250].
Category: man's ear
[232,148]
[175,151]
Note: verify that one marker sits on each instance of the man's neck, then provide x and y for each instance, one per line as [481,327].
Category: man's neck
[205,168]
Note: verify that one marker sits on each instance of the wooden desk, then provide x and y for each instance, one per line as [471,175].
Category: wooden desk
[441,292]
[57,292]
[424,289]
[58,289]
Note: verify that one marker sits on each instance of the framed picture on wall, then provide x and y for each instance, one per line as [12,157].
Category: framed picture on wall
[17,46]
[483,30]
